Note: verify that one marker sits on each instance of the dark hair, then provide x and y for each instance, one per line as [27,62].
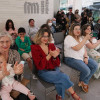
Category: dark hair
[7,24]
[70,8]
[21,30]
[84,27]
[30,20]
[45,26]
[98,20]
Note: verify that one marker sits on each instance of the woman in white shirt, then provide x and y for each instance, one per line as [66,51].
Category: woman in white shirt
[76,55]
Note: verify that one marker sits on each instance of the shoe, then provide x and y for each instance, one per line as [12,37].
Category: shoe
[84,86]
[58,97]
[31,96]
[75,96]
[34,77]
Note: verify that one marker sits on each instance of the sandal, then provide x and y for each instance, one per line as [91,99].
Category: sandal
[84,86]
[58,97]
[75,97]
[31,96]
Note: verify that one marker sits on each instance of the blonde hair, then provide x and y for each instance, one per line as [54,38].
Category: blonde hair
[6,34]
[39,35]
[71,30]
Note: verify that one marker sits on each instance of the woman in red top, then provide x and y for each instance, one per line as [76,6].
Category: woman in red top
[45,57]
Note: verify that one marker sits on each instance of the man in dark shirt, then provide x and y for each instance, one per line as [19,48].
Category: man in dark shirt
[70,16]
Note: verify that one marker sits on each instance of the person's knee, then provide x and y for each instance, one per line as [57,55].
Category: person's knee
[29,60]
[65,77]
[87,72]
[95,66]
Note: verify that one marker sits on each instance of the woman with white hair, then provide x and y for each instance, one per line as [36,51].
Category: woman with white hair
[11,56]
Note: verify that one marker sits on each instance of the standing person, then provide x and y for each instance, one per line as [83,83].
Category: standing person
[77,16]
[70,16]
[10,28]
[97,26]
[74,51]
[9,83]
[32,29]
[11,56]
[84,19]
[45,57]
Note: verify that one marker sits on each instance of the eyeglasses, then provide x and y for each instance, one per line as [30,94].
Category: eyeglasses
[45,36]
[77,29]
[2,42]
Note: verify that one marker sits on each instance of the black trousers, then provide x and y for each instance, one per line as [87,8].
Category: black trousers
[22,97]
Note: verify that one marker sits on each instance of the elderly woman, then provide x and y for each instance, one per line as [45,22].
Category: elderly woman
[12,56]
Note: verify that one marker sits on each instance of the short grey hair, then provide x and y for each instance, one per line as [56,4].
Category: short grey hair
[6,34]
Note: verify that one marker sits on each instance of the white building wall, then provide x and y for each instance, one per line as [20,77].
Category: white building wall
[14,9]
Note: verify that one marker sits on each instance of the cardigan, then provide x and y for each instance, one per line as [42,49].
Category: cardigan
[39,58]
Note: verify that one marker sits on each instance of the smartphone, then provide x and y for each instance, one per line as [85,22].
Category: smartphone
[91,34]
[22,62]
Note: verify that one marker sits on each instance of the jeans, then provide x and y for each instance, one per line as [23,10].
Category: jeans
[61,80]
[86,70]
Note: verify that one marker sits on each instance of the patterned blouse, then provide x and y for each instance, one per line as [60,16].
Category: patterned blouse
[13,57]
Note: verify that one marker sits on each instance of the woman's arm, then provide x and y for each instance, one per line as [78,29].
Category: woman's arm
[85,57]
[39,59]
[82,43]
[92,46]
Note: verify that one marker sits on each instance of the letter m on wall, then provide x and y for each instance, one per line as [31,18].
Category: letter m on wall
[31,8]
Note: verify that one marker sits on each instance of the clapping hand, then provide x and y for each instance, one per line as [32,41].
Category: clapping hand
[55,53]
[18,68]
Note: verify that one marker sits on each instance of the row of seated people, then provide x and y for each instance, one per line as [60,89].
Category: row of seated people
[45,57]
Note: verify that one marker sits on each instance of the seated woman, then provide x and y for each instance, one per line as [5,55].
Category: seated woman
[92,43]
[50,24]
[93,47]
[12,56]
[45,57]
[10,28]
[74,51]
[45,26]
